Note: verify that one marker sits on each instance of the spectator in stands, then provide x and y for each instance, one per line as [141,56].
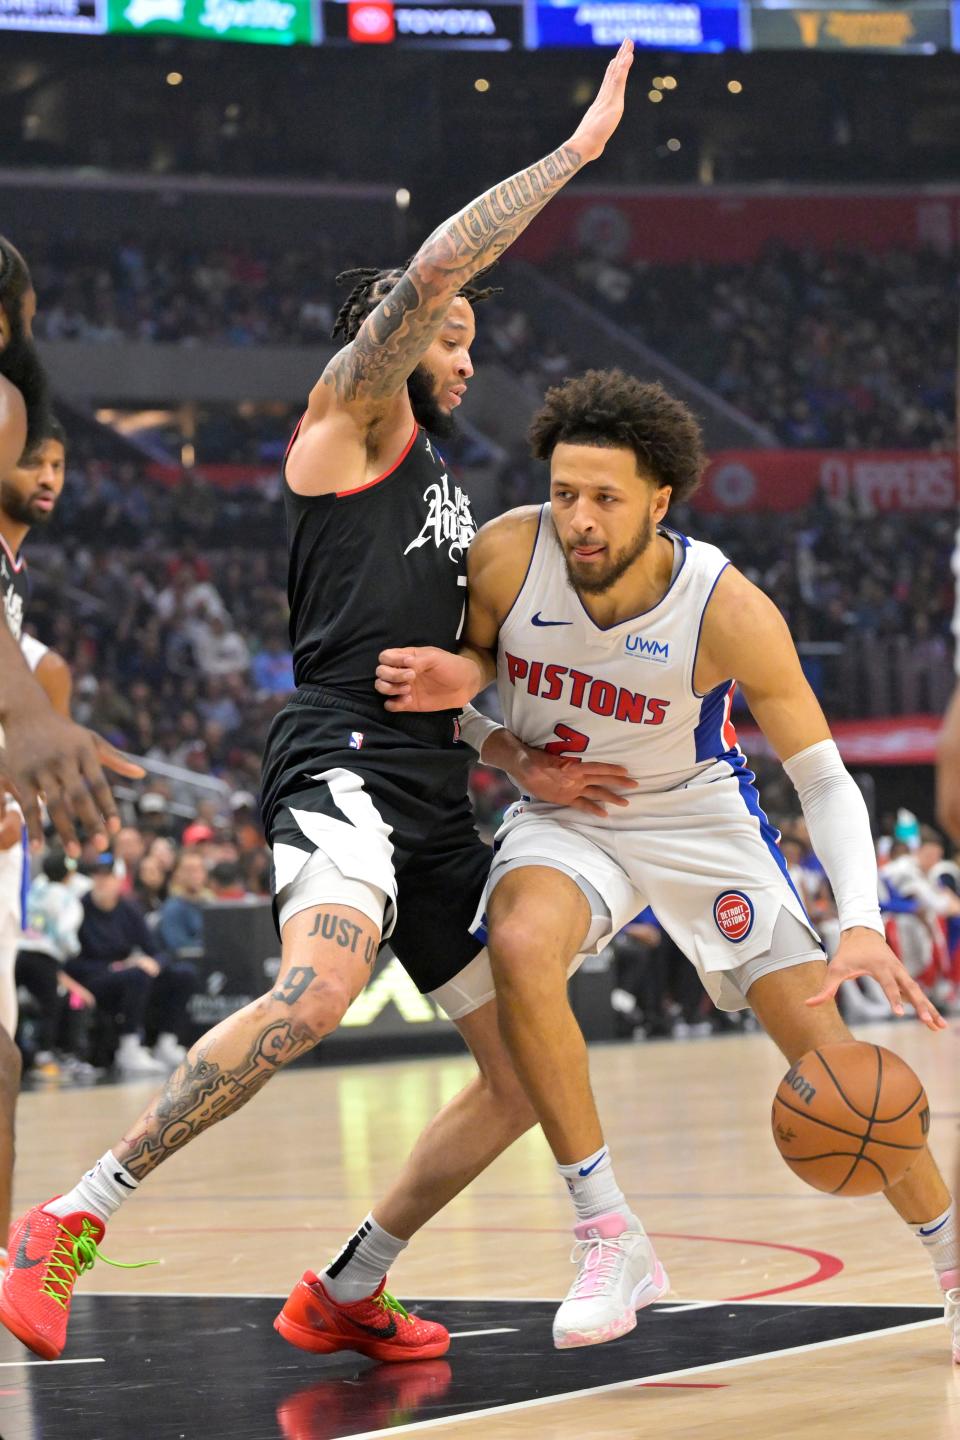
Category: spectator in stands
[226,881]
[179,927]
[117,964]
[54,916]
[918,935]
[272,666]
[150,886]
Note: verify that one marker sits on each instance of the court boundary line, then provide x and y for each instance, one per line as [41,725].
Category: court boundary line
[638,1382]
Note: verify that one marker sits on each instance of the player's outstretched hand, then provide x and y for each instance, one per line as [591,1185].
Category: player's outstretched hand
[606,112]
[585,785]
[948,771]
[50,758]
[427,678]
[865,952]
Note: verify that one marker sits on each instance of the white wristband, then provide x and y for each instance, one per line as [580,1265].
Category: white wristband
[476,728]
[839,826]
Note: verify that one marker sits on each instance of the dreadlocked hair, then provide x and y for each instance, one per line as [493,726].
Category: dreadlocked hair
[14,275]
[371,285]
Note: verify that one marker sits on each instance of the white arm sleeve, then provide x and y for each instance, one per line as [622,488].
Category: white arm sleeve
[839,826]
[475,728]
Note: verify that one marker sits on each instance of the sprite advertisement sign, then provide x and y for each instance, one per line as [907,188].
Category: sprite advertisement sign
[263,22]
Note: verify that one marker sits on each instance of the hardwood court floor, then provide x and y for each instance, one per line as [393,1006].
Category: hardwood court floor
[276,1189]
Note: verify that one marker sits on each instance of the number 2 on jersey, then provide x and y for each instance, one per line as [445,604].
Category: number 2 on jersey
[569,741]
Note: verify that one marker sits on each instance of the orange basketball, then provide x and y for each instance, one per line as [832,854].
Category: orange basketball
[850,1118]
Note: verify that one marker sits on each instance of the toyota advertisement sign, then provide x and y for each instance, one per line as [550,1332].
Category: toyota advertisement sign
[423,27]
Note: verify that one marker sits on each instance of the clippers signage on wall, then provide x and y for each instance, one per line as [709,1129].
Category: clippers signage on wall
[423,27]
[735,224]
[864,482]
[662,25]
[907,29]
[75,17]
[262,22]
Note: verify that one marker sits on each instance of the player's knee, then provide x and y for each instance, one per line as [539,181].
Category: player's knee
[318,1007]
[520,957]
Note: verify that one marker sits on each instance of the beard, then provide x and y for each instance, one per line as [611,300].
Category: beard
[421,387]
[20,363]
[599,581]
[21,511]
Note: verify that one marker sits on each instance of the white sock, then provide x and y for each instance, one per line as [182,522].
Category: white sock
[362,1263]
[939,1238]
[101,1192]
[594,1190]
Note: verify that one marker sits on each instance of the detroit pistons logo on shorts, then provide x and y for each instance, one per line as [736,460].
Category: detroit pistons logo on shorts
[733,913]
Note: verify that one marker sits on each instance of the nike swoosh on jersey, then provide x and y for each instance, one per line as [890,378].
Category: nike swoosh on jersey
[21,1261]
[537,620]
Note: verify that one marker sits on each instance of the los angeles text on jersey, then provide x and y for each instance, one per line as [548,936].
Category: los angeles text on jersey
[577,688]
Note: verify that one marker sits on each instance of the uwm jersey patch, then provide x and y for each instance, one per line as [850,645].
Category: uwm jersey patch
[623,694]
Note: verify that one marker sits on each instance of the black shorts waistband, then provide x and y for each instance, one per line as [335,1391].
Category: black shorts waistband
[433,729]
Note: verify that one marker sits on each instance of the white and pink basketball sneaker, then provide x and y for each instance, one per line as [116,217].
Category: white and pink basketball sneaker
[950,1285]
[619,1274]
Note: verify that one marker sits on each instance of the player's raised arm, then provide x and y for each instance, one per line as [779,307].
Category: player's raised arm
[375,365]
[746,639]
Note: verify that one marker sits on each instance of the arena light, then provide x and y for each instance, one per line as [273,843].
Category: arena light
[174,78]
[734,87]
[482,85]
[402,198]
[673,145]
[655,96]
[657,82]
[669,82]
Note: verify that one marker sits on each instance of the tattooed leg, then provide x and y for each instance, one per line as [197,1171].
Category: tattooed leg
[328,954]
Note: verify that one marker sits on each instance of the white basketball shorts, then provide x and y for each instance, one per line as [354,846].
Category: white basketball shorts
[703,857]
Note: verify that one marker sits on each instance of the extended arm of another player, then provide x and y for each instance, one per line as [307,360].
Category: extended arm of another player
[13,425]
[53,673]
[46,755]
[948,770]
[948,750]
[746,639]
[393,338]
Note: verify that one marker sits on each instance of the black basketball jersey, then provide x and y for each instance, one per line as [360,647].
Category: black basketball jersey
[381,565]
[13,588]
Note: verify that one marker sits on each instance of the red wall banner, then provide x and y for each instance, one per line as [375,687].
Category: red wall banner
[675,226]
[866,481]
[900,740]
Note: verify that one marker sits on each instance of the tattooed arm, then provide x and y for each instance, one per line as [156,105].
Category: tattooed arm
[359,416]
[391,341]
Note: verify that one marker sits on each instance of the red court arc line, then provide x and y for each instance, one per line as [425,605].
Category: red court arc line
[827,1265]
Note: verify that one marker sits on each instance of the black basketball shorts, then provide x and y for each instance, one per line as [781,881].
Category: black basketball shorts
[387,808]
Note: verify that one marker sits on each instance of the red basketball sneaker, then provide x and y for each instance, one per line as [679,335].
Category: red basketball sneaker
[47,1254]
[377,1326]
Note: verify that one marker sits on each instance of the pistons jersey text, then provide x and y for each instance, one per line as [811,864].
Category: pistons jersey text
[622,694]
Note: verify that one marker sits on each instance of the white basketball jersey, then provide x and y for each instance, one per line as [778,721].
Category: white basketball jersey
[623,694]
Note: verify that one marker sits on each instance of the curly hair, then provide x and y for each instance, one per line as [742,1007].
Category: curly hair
[611,409]
[370,286]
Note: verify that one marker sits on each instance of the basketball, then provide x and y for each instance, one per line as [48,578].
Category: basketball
[850,1118]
